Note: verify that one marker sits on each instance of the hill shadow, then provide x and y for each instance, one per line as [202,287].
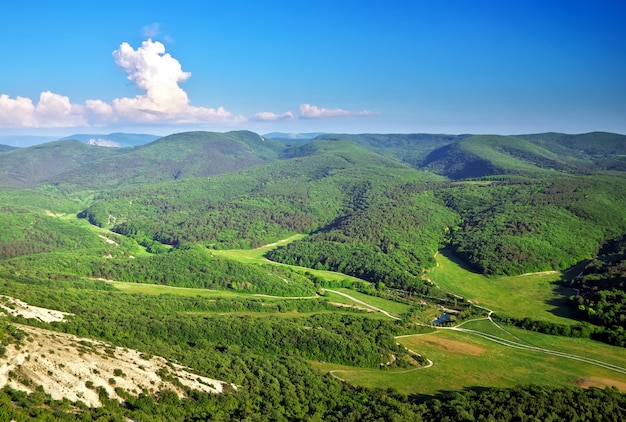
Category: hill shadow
[561,307]
[443,395]
[458,260]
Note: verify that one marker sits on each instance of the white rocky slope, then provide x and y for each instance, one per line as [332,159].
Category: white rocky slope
[70,367]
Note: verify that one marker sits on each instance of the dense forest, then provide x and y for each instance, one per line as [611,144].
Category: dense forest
[372,209]
[601,291]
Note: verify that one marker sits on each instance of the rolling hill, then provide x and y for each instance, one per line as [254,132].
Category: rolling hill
[300,272]
[176,156]
[528,155]
[113,140]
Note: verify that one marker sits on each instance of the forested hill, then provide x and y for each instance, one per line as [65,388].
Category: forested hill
[80,223]
[529,155]
[190,154]
[409,148]
[200,154]
[373,205]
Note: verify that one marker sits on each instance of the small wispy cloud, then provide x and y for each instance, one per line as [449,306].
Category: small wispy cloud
[152,30]
[308,111]
[268,116]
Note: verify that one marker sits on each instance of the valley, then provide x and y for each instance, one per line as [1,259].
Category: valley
[306,276]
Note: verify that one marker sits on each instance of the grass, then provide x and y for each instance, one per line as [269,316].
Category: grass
[390,306]
[158,289]
[257,256]
[252,256]
[534,295]
[291,314]
[463,361]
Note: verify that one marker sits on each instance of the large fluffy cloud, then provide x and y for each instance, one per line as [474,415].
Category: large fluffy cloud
[158,75]
[52,110]
[155,73]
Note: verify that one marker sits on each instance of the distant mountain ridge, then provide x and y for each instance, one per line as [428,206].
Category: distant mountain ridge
[488,155]
[115,140]
[201,154]
[189,154]
[293,137]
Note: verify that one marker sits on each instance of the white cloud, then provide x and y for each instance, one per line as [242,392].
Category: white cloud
[154,72]
[52,110]
[268,116]
[158,74]
[308,111]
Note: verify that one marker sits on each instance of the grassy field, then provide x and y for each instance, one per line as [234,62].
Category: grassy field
[461,360]
[390,306]
[534,295]
[257,256]
[158,289]
[251,256]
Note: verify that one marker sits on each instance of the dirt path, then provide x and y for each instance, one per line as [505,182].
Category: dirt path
[354,299]
[529,348]
[523,346]
[286,297]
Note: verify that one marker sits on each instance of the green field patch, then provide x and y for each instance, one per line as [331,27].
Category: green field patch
[461,360]
[158,289]
[533,295]
[257,255]
[394,308]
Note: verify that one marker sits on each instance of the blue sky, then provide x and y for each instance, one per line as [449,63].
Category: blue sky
[431,66]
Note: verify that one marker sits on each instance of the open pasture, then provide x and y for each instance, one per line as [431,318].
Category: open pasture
[530,295]
[461,361]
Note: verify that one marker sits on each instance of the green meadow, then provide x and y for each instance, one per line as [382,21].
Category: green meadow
[530,295]
[461,361]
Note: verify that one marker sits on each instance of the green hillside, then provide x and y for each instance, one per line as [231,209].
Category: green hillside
[309,274]
[599,150]
[480,156]
[191,154]
[48,163]
[409,148]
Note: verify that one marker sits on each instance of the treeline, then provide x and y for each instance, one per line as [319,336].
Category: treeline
[518,227]
[613,335]
[170,322]
[526,403]
[601,287]
[264,357]
[192,267]
[329,400]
